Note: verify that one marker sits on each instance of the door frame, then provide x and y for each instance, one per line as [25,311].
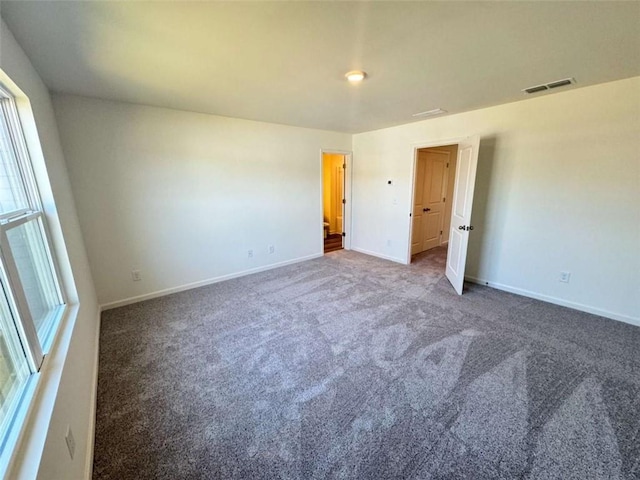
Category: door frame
[417,146]
[346,215]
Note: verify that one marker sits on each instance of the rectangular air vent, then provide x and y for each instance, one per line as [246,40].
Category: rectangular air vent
[560,83]
[550,85]
[536,89]
[428,113]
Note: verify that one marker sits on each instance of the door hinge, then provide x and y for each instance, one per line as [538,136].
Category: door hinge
[344,234]
[447,165]
[344,201]
[440,232]
[344,166]
[443,199]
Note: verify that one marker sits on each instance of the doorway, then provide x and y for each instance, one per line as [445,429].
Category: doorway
[333,200]
[433,185]
[443,186]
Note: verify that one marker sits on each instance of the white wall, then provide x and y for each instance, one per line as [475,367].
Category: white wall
[183,196]
[558,189]
[66,383]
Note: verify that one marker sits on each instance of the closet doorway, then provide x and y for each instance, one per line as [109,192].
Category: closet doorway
[443,184]
[432,199]
[333,200]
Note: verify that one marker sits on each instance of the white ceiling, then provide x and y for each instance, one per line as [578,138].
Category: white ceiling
[284,62]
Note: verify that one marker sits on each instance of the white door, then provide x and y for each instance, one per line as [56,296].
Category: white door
[461,211]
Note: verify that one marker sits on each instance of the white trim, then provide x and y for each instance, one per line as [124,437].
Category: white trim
[5,217]
[348,181]
[556,301]
[417,146]
[17,302]
[91,433]
[27,455]
[379,255]
[445,142]
[17,431]
[203,283]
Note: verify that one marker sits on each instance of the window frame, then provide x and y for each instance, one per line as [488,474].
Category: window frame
[27,172]
[35,347]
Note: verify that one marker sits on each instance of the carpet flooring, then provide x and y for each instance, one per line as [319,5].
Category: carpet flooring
[352,367]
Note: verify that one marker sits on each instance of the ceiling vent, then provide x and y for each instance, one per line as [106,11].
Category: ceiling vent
[548,86]
[429,113]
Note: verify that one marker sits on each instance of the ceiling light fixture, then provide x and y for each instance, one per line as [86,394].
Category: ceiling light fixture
[355,76]
[429,113]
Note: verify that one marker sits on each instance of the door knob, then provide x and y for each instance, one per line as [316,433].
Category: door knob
[461,227]
[426,209]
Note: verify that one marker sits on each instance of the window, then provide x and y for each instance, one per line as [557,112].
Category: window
[31,302]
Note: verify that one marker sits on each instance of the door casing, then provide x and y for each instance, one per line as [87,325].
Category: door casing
[427,185]
[416,147]
[346,219]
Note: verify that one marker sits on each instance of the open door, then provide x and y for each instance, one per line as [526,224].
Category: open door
[461,211]
[333,200]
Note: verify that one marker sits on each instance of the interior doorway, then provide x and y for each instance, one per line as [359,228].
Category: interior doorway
[443,186]
[333,200]
[433,184]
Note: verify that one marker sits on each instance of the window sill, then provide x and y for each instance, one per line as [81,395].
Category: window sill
[23,450]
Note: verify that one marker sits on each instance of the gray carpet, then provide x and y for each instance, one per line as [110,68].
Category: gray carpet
[353,367]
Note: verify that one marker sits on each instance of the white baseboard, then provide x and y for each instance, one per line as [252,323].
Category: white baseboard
[203,283]
[91,439]
[379,255]
[556,301]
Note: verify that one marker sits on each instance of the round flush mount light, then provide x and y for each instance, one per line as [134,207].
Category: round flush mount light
[355,76]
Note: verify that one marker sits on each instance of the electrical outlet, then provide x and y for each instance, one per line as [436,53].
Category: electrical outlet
[565,277]
[272,249]
[250,254]
[71,443]
[136,275]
